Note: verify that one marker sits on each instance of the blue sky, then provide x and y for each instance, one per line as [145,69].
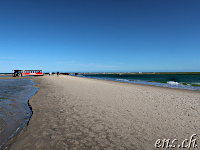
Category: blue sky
[100,35]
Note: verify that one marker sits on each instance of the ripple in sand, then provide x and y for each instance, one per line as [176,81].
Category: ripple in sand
[2,125]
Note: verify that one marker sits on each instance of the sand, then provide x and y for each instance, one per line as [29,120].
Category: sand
[80,113]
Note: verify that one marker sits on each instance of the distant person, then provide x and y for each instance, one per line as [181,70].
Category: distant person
[58,73]
[50,73]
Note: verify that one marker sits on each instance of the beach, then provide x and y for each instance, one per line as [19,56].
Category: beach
[81,113]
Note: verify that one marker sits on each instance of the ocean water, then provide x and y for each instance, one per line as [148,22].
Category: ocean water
[14,109]
[182,81]
[2,76]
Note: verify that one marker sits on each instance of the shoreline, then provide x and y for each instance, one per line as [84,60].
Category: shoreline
[16,135]
[12,140]
[141,84]
[153,83]
[55,118]
[32,78]
[18,131]
[15,78]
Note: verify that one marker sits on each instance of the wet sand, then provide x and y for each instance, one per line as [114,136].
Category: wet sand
[81,113]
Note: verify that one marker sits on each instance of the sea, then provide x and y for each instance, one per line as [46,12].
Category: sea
[190,81]
[14,108]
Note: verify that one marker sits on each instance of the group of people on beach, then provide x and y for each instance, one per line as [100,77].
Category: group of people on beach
[58,73]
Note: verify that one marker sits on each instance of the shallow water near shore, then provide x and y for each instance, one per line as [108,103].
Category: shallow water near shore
[180,81]
[14,108]
[3,76]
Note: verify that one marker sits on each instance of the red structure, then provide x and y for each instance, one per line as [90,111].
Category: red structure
[32,72]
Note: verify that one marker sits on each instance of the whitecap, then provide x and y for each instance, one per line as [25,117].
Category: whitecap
[173,83]
[196,83]
[122,80]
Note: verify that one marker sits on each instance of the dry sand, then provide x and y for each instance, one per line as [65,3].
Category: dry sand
[80,113]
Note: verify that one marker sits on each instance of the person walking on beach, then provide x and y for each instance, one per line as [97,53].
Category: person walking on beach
[58,73]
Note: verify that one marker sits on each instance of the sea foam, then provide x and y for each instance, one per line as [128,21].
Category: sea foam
[173,83]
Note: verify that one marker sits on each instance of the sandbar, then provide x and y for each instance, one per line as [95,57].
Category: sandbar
[80,113]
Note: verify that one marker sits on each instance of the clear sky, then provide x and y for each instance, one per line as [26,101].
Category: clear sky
[100,35]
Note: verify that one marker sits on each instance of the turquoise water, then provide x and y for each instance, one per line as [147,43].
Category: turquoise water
[182,81]
[14,109]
